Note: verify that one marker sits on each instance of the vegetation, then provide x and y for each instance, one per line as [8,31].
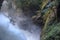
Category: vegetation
[45,10]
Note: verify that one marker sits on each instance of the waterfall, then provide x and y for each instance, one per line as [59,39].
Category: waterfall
[16,25]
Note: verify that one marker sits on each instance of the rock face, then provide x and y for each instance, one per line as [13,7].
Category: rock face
[58,12]
[31,10]
[1,1]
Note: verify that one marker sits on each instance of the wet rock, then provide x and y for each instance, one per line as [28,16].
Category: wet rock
[1,1]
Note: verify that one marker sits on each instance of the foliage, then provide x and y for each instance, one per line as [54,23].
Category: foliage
[50,32]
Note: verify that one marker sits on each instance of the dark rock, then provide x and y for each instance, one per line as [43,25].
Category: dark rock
[30,10]
[58,12]
[1,1]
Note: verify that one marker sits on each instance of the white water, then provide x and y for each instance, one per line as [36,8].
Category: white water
[23,29]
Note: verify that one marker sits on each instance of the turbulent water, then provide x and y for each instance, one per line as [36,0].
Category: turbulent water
[15,26]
